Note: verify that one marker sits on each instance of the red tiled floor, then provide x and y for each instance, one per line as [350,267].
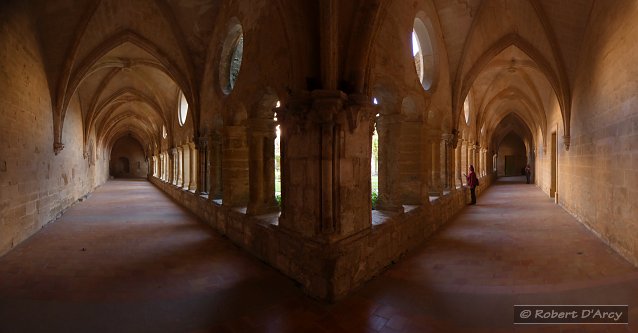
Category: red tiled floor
[130,260]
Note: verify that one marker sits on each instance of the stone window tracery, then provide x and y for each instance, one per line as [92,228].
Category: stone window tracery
[231,58]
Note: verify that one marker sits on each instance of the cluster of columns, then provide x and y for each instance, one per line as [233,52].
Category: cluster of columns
[325,181]
[243,154]
[178,166]
[437,163]
[329,200]
[442,164]
[440,157]
[468,153]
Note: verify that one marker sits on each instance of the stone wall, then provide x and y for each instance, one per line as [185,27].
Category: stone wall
[327,270]
[597,177]
[512,145]
[127,159]
[35,184]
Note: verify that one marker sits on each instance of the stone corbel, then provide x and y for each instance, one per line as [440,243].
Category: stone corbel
[447,137]
[455,138]
[57,147]
[202,143]
[567,141]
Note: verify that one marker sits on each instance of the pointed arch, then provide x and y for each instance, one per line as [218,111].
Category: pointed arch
[558,85]
[75,78]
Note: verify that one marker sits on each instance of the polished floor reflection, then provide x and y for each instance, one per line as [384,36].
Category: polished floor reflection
[129,259]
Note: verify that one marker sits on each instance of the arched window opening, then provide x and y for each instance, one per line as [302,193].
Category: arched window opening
[235,62]
[374,160]
[231,59]
[374,165]
[466,109]
[183,109]
[418,56]
[423,53]
[277,158]
[164,133]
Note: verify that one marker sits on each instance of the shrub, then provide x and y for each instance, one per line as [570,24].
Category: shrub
[374,198]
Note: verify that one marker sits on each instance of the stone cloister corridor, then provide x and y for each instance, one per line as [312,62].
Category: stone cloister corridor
[129,259]
[287,165]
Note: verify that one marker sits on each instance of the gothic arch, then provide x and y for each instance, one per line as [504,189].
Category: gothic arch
[75,78]
[558,86]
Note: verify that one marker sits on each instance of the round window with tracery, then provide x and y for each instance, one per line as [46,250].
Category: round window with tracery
[232,55]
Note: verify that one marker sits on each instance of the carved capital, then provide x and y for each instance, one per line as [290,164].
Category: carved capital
[448,139]
[326,104]
[566,141]
[293,117]
[358,109]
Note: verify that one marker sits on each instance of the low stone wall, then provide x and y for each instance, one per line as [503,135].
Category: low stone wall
[327,270]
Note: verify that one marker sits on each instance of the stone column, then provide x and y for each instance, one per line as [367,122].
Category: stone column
[470,155]
[262,167]
[215,175]
[426,167]
[464,160]
[184,160]
[204,165]
[388,129]
[174,166]
[435,183]
[486,162]
[329,200]
[448,158]
[532,164]
[457,161]
[235,166]
[477,159]
[192,186]
[167,165]
[162,166]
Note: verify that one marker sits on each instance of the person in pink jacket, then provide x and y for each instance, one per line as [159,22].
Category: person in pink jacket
[472,183]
